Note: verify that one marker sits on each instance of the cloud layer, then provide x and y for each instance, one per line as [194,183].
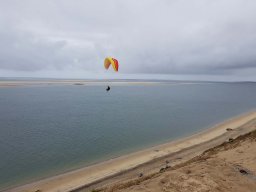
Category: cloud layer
[148,36]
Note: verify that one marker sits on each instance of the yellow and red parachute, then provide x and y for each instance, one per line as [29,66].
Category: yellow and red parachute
[111,61]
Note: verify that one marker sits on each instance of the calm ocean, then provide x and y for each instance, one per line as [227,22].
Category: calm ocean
[49,130]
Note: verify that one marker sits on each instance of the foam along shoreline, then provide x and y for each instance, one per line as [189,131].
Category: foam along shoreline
[84,176]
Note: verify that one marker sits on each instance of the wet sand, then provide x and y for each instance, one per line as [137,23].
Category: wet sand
[144,162]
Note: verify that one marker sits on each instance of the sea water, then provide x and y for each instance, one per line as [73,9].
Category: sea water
[49,130]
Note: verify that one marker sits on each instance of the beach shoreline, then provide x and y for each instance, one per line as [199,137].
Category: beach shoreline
[91,175]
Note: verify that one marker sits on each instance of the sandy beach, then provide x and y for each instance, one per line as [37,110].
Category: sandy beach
[144,162]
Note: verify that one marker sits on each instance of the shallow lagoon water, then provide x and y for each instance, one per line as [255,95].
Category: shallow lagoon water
[49,130]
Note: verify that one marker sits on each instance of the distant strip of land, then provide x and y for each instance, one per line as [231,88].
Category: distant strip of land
[49,82]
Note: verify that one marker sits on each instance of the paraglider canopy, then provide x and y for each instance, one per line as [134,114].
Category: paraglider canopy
[111,61]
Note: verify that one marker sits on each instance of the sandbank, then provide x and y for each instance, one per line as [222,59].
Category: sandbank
[58,82]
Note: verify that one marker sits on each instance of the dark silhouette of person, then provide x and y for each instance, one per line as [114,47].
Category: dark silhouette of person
[108,88]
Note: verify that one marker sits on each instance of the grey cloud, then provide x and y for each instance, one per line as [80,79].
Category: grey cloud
[147,36]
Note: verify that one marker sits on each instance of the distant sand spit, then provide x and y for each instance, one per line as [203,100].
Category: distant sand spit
[128,165]
[18,83]
[69,82]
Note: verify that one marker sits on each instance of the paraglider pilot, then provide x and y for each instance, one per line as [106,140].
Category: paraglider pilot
[114,63]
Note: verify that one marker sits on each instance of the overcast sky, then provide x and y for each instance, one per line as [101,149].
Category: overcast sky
[192,39]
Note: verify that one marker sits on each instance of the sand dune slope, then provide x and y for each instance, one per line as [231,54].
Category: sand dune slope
[230,166]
